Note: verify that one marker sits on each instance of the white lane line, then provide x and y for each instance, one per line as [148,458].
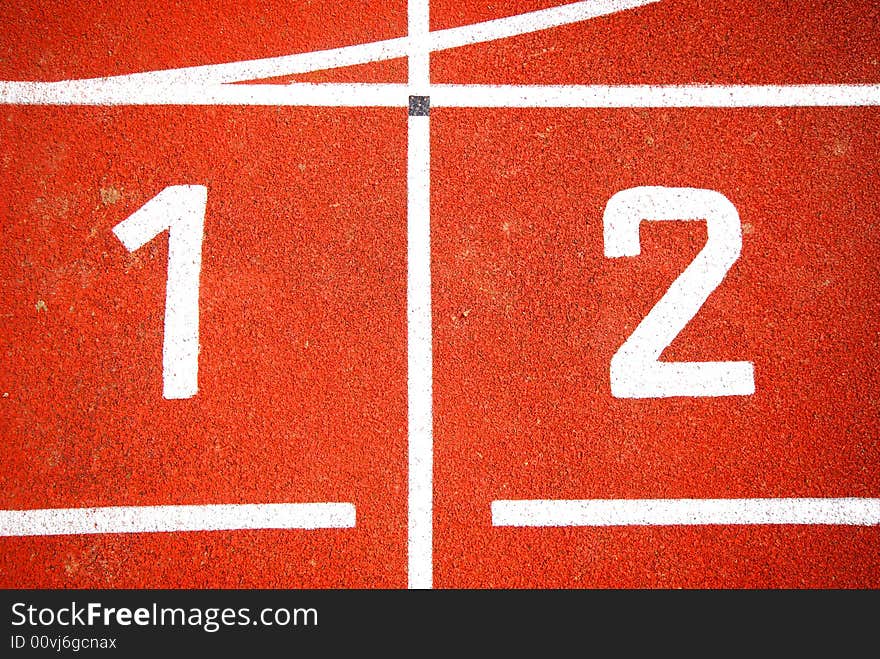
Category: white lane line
[534,21]
[376,51]
[160,519]
[420,531]
[450,96]
[419,54]
[419,354]
[653,96]
[668,512]
[119,93]
[258,69]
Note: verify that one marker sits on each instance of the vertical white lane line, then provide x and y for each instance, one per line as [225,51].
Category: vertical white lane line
[420,567]
[419,53]
[419,358]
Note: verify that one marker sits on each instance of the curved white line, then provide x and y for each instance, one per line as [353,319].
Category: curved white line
[356,54]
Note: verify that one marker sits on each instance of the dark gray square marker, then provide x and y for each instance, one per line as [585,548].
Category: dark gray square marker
[419,106]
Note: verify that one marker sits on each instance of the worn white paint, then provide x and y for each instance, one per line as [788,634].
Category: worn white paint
[181,210]
[157,519]
[669,512]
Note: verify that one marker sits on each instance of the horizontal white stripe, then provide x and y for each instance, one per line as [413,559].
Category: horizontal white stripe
[667,512]
[115,92]
[534,21]
[157,519]
[658,96]
[450,96]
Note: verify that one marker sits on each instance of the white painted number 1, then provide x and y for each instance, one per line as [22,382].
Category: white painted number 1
[636,369]
[181,210]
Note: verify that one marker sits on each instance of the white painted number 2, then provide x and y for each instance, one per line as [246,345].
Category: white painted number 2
[181,210]
[636,371]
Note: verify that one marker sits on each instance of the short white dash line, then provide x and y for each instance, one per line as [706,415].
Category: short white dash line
[419,350]
[673,512]
[164,519]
